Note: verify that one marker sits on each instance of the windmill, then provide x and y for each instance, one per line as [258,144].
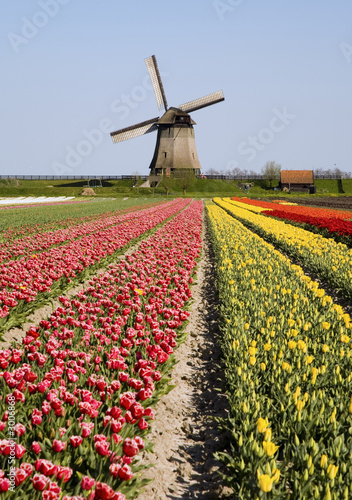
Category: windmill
[175,148]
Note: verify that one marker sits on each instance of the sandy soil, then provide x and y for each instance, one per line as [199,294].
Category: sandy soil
[184,434]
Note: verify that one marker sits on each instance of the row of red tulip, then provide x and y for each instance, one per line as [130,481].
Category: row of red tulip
[298,209]
[43,238]
[23,279]
[333,224]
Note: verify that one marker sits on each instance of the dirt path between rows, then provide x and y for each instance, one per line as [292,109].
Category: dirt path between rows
[183,432]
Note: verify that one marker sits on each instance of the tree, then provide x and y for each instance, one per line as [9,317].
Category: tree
[338,173]
[167,183]
[271,171]
[136,179]
[185,178]
[212,171]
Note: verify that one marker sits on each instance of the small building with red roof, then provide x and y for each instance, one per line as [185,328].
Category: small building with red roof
[297,180]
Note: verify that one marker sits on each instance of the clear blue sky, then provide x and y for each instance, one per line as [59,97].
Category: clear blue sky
[285,68]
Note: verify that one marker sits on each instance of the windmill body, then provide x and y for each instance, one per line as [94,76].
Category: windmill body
[175,148]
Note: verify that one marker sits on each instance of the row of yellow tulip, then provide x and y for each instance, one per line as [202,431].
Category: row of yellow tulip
[247,206]
[287,352]
[331,260]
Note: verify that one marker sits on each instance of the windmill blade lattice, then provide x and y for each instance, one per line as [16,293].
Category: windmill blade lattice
[202,102]
[135,130]
[155,77]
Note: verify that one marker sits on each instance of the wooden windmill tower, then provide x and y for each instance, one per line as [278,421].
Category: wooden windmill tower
[175,148]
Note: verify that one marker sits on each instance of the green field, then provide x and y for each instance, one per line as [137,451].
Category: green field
[204,188]
[39,215]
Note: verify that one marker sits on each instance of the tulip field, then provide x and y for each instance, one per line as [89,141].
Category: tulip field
[78,392]
[327,222]
[287,349]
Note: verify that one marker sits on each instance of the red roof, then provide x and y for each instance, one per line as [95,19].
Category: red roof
[297,177]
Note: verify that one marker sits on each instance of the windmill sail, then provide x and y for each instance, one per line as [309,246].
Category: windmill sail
[202,102]
[155,77]
[135,130]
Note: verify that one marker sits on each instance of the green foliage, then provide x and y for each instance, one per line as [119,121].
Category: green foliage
[347,186]
[185,179]
[327,186]
[167,184]
[202,188]
[271,171]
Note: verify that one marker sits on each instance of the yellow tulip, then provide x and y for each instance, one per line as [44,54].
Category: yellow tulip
[267,434]
[276,475]
[332,471]
[302,346]
[299,405]
[265,483]
[262,424]
[270,448]
[346,318]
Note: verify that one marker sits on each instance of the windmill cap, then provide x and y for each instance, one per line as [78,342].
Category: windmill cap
[173,115]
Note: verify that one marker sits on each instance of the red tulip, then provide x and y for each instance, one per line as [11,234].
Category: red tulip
[39,482]
[76,441]
[130,447]
[36,447]
[4,484]
[87,483]
[125,473]
[102,448]
[58,445]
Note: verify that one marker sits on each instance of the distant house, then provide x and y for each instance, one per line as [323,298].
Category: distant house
[297,180]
